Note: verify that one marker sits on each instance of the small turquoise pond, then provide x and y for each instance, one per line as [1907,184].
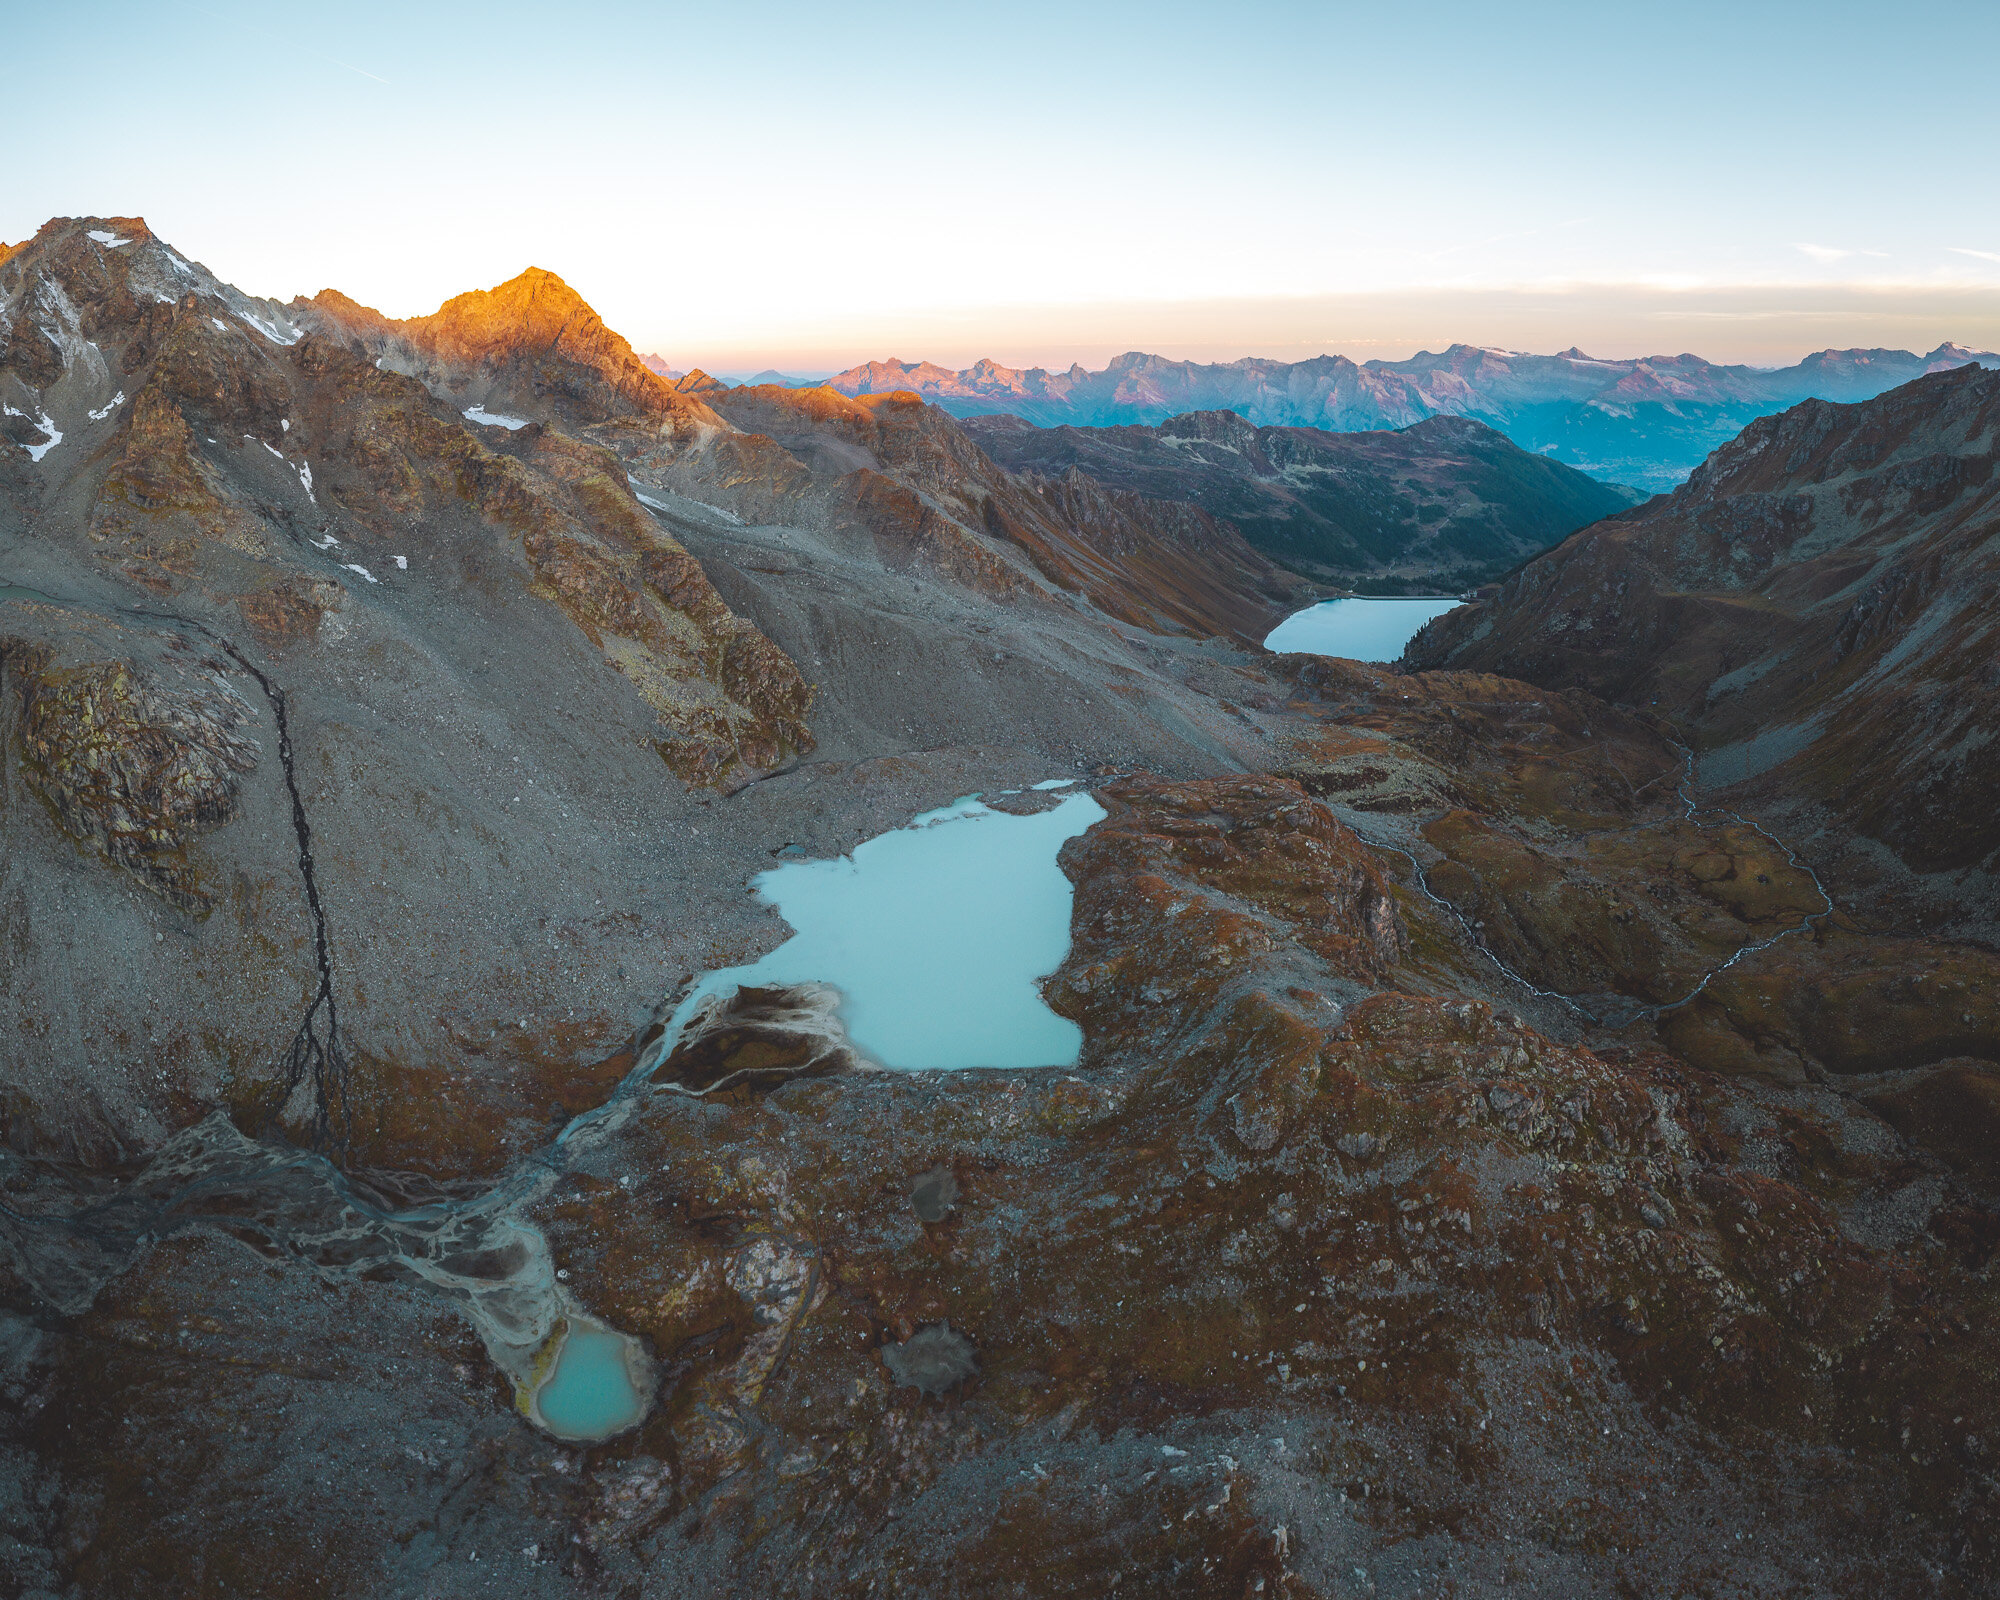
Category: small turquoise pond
[1359,630]
[590,1395]
[935,935]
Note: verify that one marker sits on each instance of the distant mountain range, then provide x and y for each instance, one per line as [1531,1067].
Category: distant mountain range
[660,366]
[1445,504]
[1646,422]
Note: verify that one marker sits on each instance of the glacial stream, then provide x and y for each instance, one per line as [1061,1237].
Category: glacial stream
[934,934]
[1617,1012]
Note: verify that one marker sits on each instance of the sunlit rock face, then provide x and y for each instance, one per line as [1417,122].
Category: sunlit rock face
[213,438]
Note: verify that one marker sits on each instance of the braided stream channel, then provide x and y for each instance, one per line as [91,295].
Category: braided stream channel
[574,1376]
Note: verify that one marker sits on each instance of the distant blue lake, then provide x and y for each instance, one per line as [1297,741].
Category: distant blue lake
[1360,630]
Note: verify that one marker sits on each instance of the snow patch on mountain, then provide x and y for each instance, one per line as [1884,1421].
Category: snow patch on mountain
[40,420]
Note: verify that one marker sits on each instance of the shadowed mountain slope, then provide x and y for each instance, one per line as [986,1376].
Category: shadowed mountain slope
[1819,606]
[1440,506]
[1148,562]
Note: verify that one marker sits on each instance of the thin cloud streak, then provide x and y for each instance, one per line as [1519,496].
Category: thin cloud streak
[351,67]
[1830,254]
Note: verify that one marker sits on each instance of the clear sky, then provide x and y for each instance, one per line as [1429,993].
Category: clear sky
[809,185]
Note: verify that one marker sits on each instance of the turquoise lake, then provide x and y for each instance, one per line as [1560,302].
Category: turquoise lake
[1359,630]
[590,1395]
[935,935]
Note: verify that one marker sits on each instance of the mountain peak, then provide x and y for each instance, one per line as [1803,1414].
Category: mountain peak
[530,304]
[101,235]
[537,322]
[350,313]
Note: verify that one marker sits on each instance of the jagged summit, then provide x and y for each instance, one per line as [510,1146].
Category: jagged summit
[532,343]
[1646,421]
[353,313]
[534,307]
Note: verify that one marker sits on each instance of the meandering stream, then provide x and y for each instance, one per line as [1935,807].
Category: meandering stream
[1625,1017]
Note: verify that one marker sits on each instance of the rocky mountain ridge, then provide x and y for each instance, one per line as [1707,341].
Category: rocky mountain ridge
[1816,606]
[1646,422]
[1441,506]
[426,537]
[888,466]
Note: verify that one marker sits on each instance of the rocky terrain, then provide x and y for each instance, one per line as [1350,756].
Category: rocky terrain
[504,675]
[913,478]
[1491,1167]
[1817,608]
[1441,506]
[1645,422]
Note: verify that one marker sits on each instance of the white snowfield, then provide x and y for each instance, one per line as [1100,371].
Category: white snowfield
[109,406]
[355,567]
[493,419]
[41,420]
[273,330]
[111,240]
